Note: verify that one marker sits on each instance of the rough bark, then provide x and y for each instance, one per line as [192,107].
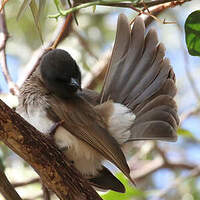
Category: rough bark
[57,174]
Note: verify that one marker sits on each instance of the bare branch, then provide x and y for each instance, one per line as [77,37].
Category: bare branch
[158,2]
[55,171]
[20,184]
[3,39]
[133,5]
[6,189]
[156,164]
[63,32]
[96,75]
[145,168]
[84,43]
[193,173]
[192,112]
[3,4]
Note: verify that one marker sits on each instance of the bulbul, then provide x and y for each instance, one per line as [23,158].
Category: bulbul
[135,103]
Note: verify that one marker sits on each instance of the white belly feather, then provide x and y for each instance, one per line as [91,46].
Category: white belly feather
[85,158]
[120,122]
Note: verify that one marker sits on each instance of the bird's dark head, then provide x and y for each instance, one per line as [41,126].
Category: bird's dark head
[60,73]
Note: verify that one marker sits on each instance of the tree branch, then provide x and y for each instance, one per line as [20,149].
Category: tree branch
[145,168]
[55,172]
[20,184]
[3,39]
[117,3]
[3,4]
[6,189]
[193,173]
[84,43]
[192,112]
[97,74]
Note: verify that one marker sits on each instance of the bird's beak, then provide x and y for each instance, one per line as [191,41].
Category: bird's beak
[75,83]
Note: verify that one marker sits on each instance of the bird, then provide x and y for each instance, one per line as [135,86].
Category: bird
[136,103]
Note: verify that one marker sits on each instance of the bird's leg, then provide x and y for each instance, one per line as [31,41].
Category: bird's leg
[50,134]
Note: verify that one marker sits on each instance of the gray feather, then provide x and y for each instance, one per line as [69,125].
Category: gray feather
[157,101]
[142,79]
[161,131]
[160,108]
[119,51]
[154,115]
[107,181]
[143,66]
[134,53]
[154,87]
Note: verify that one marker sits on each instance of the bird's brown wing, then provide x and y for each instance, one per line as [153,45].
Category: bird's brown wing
[81,120]
[107,181]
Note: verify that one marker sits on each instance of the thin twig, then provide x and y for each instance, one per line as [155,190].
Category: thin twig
[96,75]
[192,112]
[20,184]
[155,10]
[60,36]
[156,164]
[116,3]
[3,39]
[161,152]
[158,2]
[193,173]
[141,169]
[84,43]
[3,4]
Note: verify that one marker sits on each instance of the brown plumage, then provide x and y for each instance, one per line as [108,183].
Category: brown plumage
[136,103]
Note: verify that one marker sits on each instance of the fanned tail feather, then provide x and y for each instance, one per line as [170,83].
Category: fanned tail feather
[142,79]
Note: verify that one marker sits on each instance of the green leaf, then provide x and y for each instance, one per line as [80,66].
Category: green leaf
[192,33]
[131,191]
[42,4]
[94,8]
[23,7]
[35,12]
[185,133]
[57,4]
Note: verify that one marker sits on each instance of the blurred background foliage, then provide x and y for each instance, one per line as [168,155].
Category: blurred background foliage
[163,170]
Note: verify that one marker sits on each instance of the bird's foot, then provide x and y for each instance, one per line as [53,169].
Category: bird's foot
[50,134]
[53,129]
